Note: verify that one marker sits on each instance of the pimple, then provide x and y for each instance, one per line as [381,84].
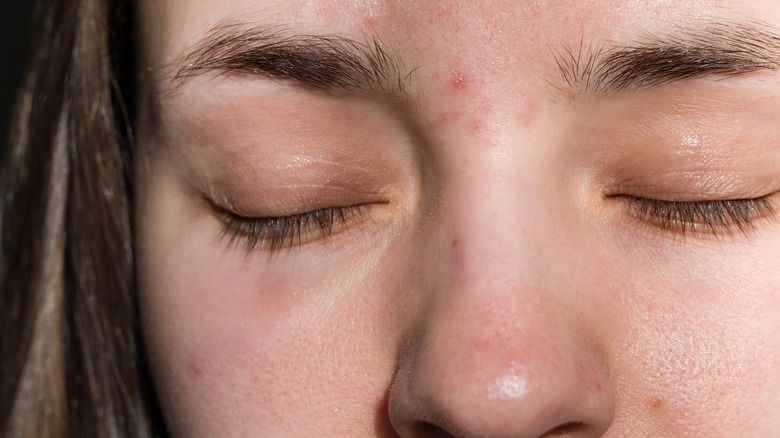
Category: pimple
[656,403]
[458,77]
[458,80]
[193,370]
[476,125]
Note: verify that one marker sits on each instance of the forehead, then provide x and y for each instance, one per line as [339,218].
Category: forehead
[491,51]
[487,33]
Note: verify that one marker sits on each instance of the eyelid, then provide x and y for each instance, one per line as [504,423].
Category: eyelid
[271,220]
[274,233]
[714,217]
[698,185]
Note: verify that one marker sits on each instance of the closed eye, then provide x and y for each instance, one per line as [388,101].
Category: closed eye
[711,217]
[279,232]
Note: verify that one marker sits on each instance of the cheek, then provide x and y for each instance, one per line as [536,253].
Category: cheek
[700,336]
[252,342]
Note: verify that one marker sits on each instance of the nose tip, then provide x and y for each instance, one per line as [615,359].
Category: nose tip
[468,378]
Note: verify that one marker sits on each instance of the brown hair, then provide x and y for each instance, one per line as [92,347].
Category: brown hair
[72,360]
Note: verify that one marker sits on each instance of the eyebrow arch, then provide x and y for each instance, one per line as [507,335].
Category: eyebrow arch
[327,62]
[718,49]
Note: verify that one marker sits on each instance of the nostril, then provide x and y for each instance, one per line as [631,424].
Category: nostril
[569,429]
[566,430]
[425,429]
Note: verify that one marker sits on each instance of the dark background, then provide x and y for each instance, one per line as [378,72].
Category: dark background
[15,18]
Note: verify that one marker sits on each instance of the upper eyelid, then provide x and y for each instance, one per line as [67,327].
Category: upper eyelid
[279,232]
[714,216]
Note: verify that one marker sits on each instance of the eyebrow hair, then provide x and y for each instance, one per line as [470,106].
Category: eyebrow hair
[319,61]
[718,49]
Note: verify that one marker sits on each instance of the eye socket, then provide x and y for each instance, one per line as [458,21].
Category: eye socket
[278,232]
[716,217]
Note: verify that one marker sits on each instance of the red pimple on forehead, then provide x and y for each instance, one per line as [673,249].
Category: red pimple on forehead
[458,80]
[457,76]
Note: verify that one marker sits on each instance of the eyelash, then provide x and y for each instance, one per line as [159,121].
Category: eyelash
[714,217]
[683,217]
[275,233]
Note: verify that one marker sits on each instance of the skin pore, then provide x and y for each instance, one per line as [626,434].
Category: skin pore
[470,219]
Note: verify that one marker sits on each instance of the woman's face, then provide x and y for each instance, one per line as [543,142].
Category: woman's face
[462,218]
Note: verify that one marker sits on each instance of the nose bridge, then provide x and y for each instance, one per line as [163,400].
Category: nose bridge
[497,228]
[498,354]
[494,275]
[501,228]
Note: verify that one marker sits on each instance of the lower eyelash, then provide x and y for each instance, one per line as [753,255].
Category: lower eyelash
[274,233]
[720,216]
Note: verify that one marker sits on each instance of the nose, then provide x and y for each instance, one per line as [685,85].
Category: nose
[499,352]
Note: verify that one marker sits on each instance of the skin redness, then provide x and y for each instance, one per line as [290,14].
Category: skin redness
[468,219]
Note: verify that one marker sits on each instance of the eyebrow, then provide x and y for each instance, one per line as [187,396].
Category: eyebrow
[718,49]
[320,61]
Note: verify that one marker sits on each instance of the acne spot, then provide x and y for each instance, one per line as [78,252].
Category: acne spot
[459,82]
[193,370]
[476,125]
[656,403]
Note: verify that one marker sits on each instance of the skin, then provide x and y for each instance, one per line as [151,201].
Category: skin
[495,282]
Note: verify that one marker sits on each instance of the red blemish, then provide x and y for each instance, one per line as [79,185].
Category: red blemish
[193,370]
[458,80]
[476,124]
[457,255]
[370,23]
[590,379]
